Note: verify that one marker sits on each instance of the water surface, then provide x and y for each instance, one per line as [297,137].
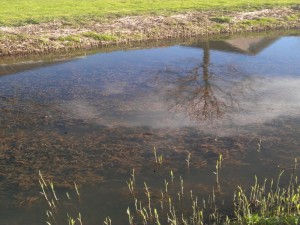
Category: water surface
[91,119]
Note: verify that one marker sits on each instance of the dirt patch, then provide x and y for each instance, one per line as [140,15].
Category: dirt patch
[62,36]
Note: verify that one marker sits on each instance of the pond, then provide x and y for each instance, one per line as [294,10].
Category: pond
[88,121]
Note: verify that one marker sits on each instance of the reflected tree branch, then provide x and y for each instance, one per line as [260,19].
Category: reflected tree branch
[199,95]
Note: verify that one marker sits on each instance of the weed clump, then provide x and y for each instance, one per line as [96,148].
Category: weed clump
[222,19]
[100,37]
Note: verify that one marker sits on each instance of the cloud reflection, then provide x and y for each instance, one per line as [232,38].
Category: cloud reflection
[208,95]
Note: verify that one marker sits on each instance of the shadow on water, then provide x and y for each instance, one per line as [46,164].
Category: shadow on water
[92,120]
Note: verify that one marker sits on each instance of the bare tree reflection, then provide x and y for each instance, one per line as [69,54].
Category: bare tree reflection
[204,94]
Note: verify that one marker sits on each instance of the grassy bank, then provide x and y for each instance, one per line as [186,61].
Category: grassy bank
[41,27]
[62,36]
[20,12]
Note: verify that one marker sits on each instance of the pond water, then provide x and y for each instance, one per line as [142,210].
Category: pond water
[94,118]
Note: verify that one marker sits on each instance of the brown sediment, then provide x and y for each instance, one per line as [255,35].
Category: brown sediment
[31,141]
[59,36]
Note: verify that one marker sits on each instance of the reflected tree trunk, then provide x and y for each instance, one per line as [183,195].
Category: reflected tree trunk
[198,93]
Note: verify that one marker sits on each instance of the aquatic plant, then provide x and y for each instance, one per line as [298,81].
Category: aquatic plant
[158,158]
[264,203]
[59,210]
[188,160]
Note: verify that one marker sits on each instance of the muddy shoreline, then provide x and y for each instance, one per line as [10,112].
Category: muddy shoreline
[60,36]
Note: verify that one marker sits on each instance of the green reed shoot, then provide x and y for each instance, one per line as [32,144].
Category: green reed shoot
[71,221]
[44,188]
[218,167]
[156,217]
[130,185]
[68,196]
[158,159]
[172,176]
[107,221]
[144,216]
[155,155]
[161,200]
[148,194]
[130,217]
[188,160]
[133,175]
[79,218]
[166,186]
[181,185]
[259,145]
[76,188]
[184,221]
[52,188]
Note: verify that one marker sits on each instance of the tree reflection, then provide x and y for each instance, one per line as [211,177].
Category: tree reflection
[203,94]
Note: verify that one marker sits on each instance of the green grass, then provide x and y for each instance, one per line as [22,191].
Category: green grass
[19,12]
[69,38]
[292,17]
[223,19]
[12,37]
[100,37]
